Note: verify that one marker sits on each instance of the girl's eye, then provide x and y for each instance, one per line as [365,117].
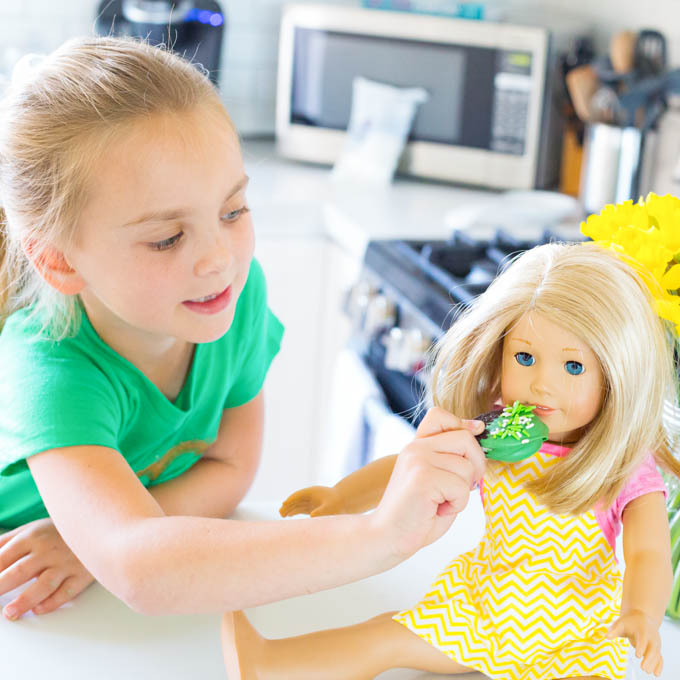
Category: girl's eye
[233,215]
[524,359]
[167,243]
[574,367]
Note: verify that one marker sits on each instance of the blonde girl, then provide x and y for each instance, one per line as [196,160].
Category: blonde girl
[135,344]
[571,330]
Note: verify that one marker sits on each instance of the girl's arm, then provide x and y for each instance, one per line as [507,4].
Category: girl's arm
[358,492]
[647,579]
[161,564]
[213,487]
[217,483]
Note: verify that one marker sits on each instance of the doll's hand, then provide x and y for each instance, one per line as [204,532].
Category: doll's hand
[643,634]
[313,501]
[36,550]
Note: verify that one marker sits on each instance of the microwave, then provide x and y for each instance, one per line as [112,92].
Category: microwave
[489,119]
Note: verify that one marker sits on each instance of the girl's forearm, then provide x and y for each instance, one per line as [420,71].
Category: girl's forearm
[191,564]
[647,584]
[211,488]
[363,489]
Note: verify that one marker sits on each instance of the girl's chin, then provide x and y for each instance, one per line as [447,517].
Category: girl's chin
[205,335]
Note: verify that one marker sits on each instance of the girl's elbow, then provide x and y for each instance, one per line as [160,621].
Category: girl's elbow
[131,581]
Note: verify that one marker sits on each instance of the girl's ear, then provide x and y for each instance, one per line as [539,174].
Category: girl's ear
[53,267]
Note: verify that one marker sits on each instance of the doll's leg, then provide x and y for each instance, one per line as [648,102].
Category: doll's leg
[356,652]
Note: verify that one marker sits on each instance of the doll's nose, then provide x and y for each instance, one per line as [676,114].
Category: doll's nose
[540,385]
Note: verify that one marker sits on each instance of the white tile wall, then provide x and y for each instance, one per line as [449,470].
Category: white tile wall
[249,57]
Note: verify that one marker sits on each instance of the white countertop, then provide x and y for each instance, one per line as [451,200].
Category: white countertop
[289,198]
[98,636]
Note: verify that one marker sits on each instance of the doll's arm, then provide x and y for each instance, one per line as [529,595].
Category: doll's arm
[358,492]
[648,577]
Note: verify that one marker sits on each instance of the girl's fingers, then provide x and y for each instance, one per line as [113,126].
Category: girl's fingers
[446,488]
[9,535]
[18,573]
[13,550]
[45,585]
[459,442]
[438,420]
[69,589]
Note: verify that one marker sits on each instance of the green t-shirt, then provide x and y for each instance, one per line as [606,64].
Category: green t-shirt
[79,391]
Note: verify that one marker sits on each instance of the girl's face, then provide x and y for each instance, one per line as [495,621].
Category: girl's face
[165,240]
[546,366]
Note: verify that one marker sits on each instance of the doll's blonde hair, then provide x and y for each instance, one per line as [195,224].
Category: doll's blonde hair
[54,126]
[596,295]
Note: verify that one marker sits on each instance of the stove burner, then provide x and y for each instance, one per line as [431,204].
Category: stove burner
[437,278]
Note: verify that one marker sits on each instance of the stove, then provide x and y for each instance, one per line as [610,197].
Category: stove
[409,293]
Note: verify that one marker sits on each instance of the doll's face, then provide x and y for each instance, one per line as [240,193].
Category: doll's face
[546,366]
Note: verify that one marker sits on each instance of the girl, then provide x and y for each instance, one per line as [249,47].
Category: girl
[570,330]
[135,343]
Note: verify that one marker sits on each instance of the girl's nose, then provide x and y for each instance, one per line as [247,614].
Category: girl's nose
[214,258]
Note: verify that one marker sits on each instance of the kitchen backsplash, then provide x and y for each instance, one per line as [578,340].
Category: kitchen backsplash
[249,59]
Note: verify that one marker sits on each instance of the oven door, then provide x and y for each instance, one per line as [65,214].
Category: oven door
[365,421]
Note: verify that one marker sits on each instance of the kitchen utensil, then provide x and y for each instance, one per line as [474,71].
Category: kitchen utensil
[622,51]
[582,83]
[604,105]
[647,91]
[650,53]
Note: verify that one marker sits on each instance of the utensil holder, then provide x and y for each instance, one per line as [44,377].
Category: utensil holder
[617,165]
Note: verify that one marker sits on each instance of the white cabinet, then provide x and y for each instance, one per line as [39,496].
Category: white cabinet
[306,279]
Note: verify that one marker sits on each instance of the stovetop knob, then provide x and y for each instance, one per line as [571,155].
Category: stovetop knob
[380,314]
[356,300]
[406,350]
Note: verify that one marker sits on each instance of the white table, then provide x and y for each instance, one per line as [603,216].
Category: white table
[98,636]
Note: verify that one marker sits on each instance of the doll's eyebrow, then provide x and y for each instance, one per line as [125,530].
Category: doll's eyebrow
[522,340]
[178,213]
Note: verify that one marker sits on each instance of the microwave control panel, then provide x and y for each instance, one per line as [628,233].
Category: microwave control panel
[511,98]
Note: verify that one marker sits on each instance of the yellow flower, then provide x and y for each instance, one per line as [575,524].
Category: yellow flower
[665,212]
[648,232]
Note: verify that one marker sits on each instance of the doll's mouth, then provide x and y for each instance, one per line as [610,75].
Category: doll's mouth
[541,410]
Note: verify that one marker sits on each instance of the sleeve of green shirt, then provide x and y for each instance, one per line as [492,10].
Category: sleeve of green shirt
[259,333]
[46,390]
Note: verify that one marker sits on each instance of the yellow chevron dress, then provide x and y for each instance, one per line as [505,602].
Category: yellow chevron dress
[535,598]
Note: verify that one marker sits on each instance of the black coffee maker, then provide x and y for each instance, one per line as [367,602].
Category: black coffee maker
[193,29]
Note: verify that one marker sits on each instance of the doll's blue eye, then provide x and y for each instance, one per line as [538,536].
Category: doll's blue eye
[524,359]
[574,367]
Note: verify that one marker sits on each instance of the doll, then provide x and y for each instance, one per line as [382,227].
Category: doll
[570,330]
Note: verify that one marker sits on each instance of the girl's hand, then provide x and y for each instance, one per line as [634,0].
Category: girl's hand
[314,501]
[36,550]
[431,481]
[643,634]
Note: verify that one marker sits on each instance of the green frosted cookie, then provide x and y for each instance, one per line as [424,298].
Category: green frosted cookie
[512,433]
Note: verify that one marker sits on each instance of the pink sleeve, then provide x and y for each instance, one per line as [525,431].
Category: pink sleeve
[646,479]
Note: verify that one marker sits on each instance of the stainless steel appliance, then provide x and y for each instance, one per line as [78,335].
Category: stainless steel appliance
[489,119]
[193,29]
[408,294]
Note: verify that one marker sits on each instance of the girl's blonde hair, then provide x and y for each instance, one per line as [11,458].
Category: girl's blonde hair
[54,126]
[596,295]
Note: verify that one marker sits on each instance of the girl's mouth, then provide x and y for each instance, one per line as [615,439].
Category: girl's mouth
[210,304]
[541,410]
